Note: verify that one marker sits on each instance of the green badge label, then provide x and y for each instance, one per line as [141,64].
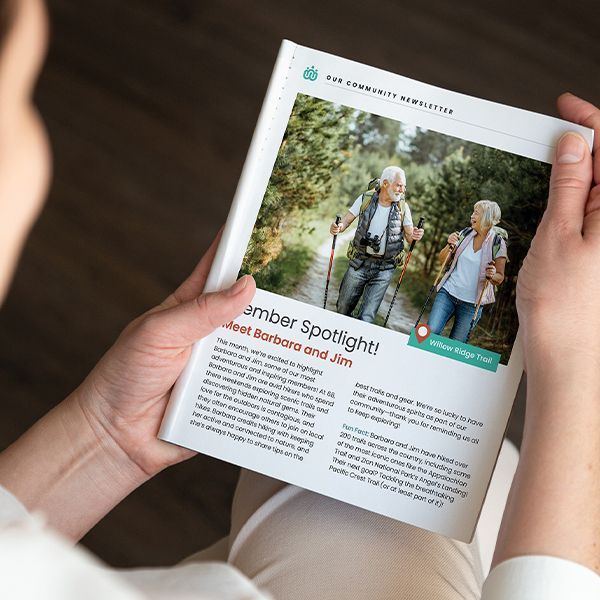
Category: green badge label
[443,346]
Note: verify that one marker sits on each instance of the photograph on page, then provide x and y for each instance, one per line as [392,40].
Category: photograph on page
[397,225]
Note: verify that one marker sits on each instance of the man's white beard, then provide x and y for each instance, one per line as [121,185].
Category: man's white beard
[395,196]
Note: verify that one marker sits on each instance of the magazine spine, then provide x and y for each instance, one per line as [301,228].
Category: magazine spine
[219,277]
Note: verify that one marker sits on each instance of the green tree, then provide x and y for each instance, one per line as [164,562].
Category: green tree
[378,134]
[315,144]
[431,147]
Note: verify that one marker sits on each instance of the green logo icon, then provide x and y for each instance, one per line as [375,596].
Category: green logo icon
[310,73]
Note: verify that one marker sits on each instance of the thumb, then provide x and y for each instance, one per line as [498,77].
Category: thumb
[188,322]
[569,185]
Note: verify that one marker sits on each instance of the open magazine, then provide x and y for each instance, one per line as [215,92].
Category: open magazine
[385,221]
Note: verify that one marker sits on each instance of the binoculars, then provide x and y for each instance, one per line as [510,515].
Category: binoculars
[371,242]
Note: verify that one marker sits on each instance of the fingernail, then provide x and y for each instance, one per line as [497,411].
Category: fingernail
[238,286]
[571,149]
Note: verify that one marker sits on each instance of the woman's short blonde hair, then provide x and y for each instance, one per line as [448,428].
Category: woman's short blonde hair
[490,213]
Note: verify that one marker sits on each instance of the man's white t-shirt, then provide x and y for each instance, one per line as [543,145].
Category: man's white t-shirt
[379,222]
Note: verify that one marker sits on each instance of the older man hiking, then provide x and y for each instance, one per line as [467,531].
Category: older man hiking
[384,224]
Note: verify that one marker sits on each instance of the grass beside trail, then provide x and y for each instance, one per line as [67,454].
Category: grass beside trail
[301,237]
[340,264]
[283,274]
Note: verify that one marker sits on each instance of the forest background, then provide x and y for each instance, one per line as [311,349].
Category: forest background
[328,155]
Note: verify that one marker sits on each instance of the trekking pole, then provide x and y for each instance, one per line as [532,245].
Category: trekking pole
[435,283]
[412,246]
[338,218]
[485,285]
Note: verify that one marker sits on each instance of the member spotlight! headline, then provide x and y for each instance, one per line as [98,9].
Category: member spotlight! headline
[313,330]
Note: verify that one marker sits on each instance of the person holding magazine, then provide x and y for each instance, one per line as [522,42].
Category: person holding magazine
[479,258]
[96,446]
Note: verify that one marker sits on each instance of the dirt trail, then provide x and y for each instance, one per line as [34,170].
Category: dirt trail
[311,288]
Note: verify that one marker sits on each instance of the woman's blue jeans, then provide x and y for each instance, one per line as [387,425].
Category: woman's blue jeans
[444,307]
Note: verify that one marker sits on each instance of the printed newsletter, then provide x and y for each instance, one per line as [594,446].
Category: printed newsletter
[384,221]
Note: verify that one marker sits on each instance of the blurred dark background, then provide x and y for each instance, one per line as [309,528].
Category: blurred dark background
[150,106]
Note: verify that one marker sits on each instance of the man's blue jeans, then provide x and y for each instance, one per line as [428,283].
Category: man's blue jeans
[446,305]
[370,281]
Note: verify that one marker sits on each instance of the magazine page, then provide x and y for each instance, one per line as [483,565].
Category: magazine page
[385,221]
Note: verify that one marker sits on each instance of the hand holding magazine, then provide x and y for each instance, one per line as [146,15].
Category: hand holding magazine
[418,204]
[384,221]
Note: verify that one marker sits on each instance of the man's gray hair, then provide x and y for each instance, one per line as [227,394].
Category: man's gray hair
[390,173]
[490,213]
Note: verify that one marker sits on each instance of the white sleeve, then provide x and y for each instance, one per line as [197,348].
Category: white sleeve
[11,510]
[541,578]
[408,222]
[355,208]
[37,563]
[502,252]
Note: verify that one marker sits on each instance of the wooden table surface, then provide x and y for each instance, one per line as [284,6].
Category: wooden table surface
[150,106]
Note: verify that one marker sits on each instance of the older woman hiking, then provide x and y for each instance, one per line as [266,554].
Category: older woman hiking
[479,259]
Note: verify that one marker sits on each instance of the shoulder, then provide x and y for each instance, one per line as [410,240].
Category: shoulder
[502,251]
[355,208]
[465,234]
